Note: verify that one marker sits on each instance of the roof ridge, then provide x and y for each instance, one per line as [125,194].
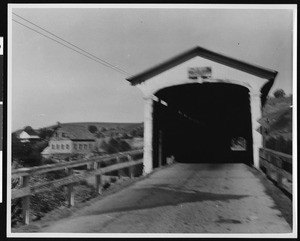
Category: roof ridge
[241,65]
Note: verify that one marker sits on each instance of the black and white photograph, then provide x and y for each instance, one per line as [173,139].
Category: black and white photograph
[151,120]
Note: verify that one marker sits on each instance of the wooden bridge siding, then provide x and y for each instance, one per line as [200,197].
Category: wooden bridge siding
[277,166]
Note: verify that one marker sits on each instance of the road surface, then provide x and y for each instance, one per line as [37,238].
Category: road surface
[183,198]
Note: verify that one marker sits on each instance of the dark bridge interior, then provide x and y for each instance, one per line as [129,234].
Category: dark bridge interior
[202,123]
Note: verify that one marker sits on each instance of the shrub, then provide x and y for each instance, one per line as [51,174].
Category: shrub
[279,93]
[93,129]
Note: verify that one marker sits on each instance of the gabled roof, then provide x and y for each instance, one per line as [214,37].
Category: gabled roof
[207,54]
[77,132]
[30,132]
[26,135]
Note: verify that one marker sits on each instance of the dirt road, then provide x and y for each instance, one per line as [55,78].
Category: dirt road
[183,198]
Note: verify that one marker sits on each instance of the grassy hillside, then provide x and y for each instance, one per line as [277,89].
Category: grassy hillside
[110,127]
[101,126]
[276,104]
[277,123]
[108,124]
[277,117]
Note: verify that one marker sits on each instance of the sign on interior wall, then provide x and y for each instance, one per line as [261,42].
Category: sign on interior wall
[202,72]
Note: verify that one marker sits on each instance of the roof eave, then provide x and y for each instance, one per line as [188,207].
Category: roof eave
[208,54]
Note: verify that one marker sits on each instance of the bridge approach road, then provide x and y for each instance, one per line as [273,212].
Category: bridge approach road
[183,198]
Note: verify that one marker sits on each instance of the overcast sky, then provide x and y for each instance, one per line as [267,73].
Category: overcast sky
[52,83]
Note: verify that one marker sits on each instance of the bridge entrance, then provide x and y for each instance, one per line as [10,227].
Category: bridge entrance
[201,123]
[203,106]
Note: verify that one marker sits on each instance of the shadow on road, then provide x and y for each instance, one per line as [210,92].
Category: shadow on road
[151,197]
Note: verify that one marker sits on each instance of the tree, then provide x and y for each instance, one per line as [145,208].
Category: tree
[123,145]
[29,129]
[103,129]
[125,136]
[115,145]
[93,129]
[100,135]
[279,93]
[26,153]
[45,133]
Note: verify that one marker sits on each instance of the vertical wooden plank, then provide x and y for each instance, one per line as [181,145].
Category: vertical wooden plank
[118,161]
[89,166]
[268,157]
[98,179]
[263,153]
[120,171]
[98,184]
[131,169]
[26,202]
[279,179]
[266,167]
[70,194]
[263,136]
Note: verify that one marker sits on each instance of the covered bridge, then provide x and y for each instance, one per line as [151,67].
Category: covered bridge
[198,104]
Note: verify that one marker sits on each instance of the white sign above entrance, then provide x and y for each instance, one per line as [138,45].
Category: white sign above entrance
[202,72]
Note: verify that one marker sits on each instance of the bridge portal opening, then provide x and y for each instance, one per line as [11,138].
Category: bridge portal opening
[202,123]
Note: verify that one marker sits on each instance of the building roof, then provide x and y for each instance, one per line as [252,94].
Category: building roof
[46,151]
[77,132]
[207,54]
[25,135]
[29,131]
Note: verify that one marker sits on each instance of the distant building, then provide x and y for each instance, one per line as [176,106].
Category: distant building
[80,138]
[28,136]
[71,139]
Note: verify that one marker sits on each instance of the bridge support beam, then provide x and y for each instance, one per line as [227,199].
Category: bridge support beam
[256,114]
[148,135]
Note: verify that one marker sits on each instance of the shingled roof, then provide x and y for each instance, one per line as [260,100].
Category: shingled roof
[77,132]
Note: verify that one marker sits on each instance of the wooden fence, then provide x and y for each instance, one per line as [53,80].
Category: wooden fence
[97,166]
[277,166]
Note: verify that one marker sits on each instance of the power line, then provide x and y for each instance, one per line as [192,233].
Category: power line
[103,62]
[70,43]
[177,111]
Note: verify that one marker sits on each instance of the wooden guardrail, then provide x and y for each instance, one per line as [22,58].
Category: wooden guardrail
[277,166]
[97,166]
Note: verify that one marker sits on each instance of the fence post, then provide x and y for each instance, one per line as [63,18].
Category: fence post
[70,187]
[279,179]
[98,179]
[120,171]
[26,201]
[131,168]
[98,183]
[89,166]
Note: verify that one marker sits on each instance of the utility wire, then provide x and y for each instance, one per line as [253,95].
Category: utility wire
[177,111]
[103,62]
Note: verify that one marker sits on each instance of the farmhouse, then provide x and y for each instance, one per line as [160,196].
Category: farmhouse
[28,136]
[71,139]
